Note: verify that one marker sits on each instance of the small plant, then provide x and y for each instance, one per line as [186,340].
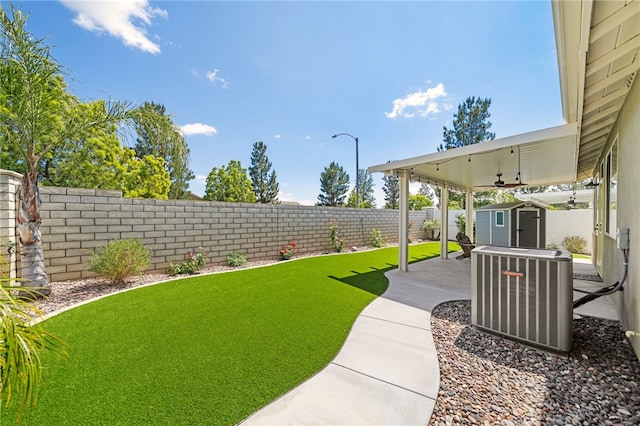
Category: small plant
[22,344]
[287,251]
[236,259]
[430,227]
[377,239]
[461,224]
[575,244]
[193,263]
[120,259]
[336,242]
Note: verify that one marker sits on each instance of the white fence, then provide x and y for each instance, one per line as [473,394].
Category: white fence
[560,224]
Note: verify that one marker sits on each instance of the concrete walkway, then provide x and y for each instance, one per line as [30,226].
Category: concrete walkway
[387,372]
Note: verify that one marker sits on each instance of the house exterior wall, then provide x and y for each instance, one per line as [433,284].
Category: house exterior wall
[627,130]
[76,221]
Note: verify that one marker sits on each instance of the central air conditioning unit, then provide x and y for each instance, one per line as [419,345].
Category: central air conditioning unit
[524,294]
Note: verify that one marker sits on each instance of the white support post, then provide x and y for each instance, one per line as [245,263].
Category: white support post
[469,205]
[403,231]
[444,232]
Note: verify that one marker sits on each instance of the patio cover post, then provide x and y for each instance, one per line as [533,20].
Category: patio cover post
[469,208]
[403,231]
[444,230]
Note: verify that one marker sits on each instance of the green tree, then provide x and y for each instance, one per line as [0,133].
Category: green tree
[391,190]
[428,191]
[97,160]
[37,116]
[334,185]
[418,201]
[230,184]
[263,178]
[367,200]
[470,125]
[158,136]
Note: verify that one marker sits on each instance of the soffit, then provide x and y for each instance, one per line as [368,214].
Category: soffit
[612,61]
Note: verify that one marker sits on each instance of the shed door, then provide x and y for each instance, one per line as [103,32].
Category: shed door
[528,228]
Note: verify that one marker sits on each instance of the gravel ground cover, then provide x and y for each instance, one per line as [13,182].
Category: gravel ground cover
[485,379]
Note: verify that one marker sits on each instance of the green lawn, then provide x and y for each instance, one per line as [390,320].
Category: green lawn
[208,349]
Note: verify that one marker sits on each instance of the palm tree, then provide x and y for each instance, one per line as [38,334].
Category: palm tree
[37,115]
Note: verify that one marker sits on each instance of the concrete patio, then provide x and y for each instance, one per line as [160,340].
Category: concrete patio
[387,371]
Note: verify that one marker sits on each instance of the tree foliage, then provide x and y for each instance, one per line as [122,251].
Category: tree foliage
[334,185]
[40,119]
[470,124]
[263,178]
[391,189]
[418,201]
[230,184]
[96,159]
[365,183]
[158,136]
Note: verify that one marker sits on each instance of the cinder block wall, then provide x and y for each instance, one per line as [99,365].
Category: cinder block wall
[76,221]
[9,182]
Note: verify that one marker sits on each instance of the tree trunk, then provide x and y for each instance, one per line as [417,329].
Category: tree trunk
[28,226]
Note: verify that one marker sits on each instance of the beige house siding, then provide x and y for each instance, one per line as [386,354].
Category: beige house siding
[628,214]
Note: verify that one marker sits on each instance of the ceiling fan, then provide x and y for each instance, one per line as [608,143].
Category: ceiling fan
[502,184]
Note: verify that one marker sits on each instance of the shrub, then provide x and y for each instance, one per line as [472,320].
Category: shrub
[461,224]
[193,263]
[575,244]
[336,242]
[430,227]
[377,239]
[236,259]
[287,251]
[120,259]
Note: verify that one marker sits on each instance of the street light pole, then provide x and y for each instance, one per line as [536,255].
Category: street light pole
[357,166]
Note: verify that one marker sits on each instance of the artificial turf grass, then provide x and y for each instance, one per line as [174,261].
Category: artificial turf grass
[208,349]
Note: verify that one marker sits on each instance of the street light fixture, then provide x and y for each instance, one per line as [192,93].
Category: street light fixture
[357,167]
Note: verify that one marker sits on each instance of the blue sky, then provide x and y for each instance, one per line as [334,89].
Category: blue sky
[293,73]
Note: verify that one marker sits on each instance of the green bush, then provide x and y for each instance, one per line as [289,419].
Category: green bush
[431,228]
[120,259]
[461,224]
[236,259]
[287,251]
[336,242]
[575,244]
[193,263]
[377,239]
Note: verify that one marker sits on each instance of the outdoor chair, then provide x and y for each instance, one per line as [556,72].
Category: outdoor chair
[465,244]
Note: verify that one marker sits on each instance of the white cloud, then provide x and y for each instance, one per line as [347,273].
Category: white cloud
[307,137]
[213,77]
[278,136]
[125,20]
[201,179]
[198,129]
[424,103]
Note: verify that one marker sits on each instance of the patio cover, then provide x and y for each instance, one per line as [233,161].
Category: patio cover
[598,47]
[542,157]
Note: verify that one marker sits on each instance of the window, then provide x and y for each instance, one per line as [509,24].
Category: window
[611,189]
[500,218]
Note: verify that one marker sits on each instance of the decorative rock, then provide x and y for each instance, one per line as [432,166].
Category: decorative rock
[490,380]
